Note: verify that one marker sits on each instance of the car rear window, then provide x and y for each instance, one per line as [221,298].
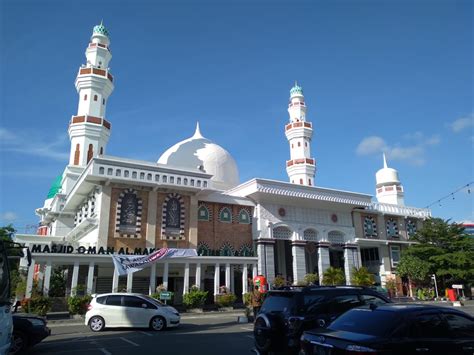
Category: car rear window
[362,321]
[114,300]
[101,300]
[279,302]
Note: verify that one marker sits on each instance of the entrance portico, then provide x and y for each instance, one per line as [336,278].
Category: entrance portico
[97,273]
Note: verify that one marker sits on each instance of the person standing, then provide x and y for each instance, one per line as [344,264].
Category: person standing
[257,300]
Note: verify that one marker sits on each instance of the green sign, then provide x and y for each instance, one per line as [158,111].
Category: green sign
[165,296]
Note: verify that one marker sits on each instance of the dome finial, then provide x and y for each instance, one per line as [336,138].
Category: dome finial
[197,133]
[384,161]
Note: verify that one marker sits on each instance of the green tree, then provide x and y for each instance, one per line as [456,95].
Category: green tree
[57,283]
[362,277]
[414,269]
[447,249]
[334,276]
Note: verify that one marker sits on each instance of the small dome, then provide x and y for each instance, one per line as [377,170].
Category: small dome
[200,153]
[296,90]
[386,175]
[55,187]
[100,29]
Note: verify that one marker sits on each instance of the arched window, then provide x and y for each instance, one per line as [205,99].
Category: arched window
[101,150]
[244,216]
[203,213]
[225,215]
[301,181]
[226,250]
[309,182]
[77,154]
[129,213]
[172,226]
[90,152]
[203,249]
[246,250]
[282,233]
[95,97]
[310,235]
[85,97]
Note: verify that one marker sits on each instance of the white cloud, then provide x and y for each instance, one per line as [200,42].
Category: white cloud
[371,145]
[24,144]
[412,151]
[8,216]
[462,123]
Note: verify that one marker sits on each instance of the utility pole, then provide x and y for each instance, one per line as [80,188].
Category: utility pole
[436,285]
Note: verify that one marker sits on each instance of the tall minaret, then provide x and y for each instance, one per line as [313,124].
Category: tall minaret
[389,189]
[301,167]
[89,131]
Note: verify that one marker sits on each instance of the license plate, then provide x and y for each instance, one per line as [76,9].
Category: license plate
[321,350]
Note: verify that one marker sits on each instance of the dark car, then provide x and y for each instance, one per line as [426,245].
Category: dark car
[287,312]
[394,329]
[28,330]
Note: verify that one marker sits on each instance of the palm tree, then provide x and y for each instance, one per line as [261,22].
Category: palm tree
[362,277]
[334,276]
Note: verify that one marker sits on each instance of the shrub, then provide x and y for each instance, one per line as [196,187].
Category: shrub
[362,277]
[57,283]
[334,276]
[311,279]
[78,304]
[391,286]
[195,298]
[226,299]
[279,281]
[37,304]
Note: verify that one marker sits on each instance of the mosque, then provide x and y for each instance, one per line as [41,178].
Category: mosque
[192,198]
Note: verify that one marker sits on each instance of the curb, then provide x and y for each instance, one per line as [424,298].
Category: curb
[57,322]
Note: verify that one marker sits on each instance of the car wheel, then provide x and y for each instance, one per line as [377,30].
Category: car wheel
[262,334]
[19,342]
[158,323]
[96,324]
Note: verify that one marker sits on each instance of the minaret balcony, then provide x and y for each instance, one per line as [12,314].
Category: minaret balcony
[96,71]
[90,119]
[298,124]
[309,161]
[92,45]
[297,103]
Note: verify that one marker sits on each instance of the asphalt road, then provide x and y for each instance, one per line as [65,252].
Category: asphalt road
[210,334]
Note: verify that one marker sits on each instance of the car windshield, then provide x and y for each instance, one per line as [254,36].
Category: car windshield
[278,302]
[364,321]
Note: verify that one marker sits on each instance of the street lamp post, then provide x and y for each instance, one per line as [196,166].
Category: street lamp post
[436,285]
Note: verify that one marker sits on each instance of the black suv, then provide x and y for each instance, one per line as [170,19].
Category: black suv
[289,311]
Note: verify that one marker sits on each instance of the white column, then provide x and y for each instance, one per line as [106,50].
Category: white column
[186,278]
[47,278]
[90,278]
[254,271]
[115,281]
[216,279]
[323,261]
[198,275]
[349,263]
[75,277]
[232,278]
[152,288]
[244,279]
[299,262]
[165,275]
[29,279]
[227,276]
[129,282]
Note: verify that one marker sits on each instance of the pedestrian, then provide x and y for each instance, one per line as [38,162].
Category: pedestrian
[257,300]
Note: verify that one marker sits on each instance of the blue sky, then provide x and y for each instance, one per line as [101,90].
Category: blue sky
[377,75]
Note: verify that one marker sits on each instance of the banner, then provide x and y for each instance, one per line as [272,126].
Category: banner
[127,264]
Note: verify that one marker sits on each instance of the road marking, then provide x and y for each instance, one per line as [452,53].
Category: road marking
[129,341]
[249,329]
[150,335]
[105,351]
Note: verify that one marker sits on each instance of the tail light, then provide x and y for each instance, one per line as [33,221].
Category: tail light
[89,307]
[359,350]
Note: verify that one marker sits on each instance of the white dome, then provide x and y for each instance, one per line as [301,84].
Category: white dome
[386,175]
[198,152]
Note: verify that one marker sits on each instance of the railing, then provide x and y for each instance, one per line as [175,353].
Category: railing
[300,161]
[96,71]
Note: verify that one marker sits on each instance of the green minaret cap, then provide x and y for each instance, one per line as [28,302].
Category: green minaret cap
[101,29]
[296,90]
[55,187]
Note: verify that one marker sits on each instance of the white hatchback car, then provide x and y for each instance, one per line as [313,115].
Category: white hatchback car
[129,310]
